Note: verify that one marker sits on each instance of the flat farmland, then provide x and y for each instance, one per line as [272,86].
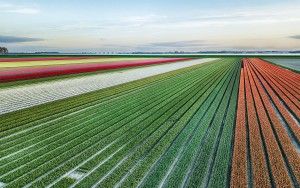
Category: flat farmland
[149,122]
[266,147]
[291,63]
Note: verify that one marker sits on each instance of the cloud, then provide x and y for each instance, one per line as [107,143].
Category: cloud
[295,37]
[18,9]
[79,26]
[184,45]
[235,17]
[147,22]
[141,20]
[23,11]
[180,44]
[219,18]
[13,39]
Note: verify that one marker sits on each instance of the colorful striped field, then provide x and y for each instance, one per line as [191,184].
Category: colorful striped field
[227,122]
[15,74]
[37,62]
[289,63]
[266,152]
[51,90]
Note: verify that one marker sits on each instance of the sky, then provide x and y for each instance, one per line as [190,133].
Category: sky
[149,25]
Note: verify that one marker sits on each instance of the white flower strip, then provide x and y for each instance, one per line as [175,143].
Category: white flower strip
[20,97]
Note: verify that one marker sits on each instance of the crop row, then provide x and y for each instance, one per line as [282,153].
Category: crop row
[23,97]
[133,178]
[50,127]
[25,138]
[17,124]
[290,96]
[284,115]
[287,82]
[290,63]
[12,119]
[112,130]
[90,131]
[285,106]
[41,72]
[12,65]
[40,59]
[286,77]
[142,161]
[213,154]
[265,143]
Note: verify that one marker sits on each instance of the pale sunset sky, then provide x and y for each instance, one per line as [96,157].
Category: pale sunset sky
[149,25]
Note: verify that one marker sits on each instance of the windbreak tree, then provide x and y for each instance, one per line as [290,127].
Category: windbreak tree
[3,50]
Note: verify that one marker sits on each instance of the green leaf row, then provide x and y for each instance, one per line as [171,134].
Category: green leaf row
[151,132]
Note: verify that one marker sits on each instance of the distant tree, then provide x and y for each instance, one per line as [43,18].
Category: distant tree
[3,50]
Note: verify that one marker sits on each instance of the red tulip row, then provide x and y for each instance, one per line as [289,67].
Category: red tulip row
[290,97]
[40,59]
[40,72]
[280,72]
[273,159]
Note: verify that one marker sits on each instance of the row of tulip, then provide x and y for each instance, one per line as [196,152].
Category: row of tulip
[8,75]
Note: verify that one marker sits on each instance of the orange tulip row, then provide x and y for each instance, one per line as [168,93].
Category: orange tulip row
[264,154]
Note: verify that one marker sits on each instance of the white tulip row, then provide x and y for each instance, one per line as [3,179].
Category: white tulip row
[20,97]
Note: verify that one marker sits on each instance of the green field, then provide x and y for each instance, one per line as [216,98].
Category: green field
[171,129]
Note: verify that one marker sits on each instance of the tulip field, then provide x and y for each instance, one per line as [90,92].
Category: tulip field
[91,121]
[289,63]
[36,69]
[267,133]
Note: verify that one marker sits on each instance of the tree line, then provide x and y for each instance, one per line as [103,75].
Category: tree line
[3,50]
